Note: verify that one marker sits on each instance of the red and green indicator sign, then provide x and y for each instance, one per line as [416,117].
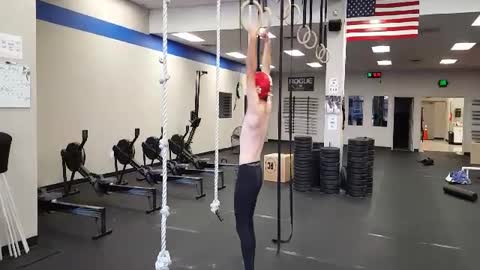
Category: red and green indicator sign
[374,75]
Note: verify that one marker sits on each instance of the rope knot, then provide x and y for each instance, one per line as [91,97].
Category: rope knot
[163,260]
[215,206]
[164,146]
[164,76]
[165,211]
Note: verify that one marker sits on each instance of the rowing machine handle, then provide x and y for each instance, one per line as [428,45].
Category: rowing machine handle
[137,134]
[84,138]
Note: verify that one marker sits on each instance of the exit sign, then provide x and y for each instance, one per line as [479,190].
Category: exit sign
[442,83]
[374,75]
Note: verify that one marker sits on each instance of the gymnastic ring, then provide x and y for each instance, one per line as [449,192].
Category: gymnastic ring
[286,11]
[295,8]
[323,55]
[268,18]
[320,51]
[306,36]
[314,35]
[259,9]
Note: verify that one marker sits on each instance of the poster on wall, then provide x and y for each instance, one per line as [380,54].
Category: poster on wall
[333,104]
[301,84]
[10,46]
[14,86]
[332,122]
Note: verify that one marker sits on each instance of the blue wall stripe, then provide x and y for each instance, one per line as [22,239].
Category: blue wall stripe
[68,18]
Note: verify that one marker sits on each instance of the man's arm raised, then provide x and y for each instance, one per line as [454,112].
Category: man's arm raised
[267,53]
[251,62]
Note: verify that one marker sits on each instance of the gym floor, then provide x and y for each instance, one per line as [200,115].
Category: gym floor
[408,224]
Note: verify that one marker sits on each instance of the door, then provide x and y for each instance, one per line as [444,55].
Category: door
[412,131]
[440,120]
[402,122]
[428,118]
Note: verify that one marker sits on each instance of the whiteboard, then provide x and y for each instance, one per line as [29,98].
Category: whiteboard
[14,86]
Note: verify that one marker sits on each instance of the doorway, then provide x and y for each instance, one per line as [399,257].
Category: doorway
[442,124]
[403,122]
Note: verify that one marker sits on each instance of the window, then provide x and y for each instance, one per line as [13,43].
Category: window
[225,105]
[380,111]
[355,111]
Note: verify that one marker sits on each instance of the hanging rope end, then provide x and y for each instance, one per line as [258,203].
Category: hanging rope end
[163,260]
[215,207]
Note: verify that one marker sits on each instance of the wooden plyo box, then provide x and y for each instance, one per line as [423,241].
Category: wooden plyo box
[270,167]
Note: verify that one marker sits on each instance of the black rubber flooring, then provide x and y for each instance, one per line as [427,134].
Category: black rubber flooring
[408,224]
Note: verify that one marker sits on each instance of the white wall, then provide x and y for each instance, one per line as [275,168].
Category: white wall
[109,87]
[121,12]
[18,18]
[419,84]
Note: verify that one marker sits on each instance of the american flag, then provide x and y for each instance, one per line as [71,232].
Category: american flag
[382,19]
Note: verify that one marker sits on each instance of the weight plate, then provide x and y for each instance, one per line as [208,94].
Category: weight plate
[329,176]
[302,168]
[356,148]
[357,154]
[303,147]
[302,184]
[357,186]
[330,149]
[330,184]
[358,170]
[298,149]
[302,159]
[359,165]
[335,191]
[329,173]
[330,159]
[298,177]
[331,188]
[330,170]
[327,153]
[362,141]
[357,179]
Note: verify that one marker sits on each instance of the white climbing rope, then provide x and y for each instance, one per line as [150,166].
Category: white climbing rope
[163,260]
[215,205]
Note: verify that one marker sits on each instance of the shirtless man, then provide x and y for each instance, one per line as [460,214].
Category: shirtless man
[254,131]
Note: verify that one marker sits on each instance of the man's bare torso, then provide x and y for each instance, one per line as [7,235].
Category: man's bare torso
[254,132]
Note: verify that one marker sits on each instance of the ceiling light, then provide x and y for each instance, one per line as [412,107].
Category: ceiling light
[384,63]
[270,35]
[237,55]
[314,65]
[189,37]
[463,46]
[448,61]
[294,52]
[477,21]
[381,49]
